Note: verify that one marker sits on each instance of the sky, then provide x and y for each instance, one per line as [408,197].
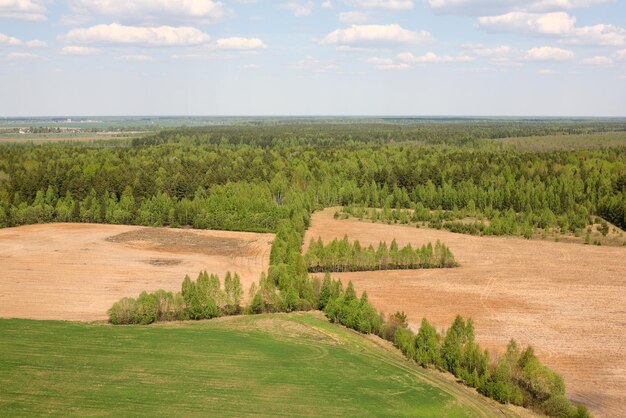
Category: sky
[313,57]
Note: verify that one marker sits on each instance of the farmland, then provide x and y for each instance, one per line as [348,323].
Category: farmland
[267,365]
[87,225]
[564,299]
[76,271]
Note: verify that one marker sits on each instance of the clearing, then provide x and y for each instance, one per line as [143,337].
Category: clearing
[76,271]
[566,300]
[266,365]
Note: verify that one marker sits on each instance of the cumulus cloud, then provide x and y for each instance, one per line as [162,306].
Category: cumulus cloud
[529,23]
[31,10]
[136,58]
[298,8]
[6,40]
[548,53]
[558,25]
[9,40]
[387,64]
[239,43]
[353,17]
[125,10]
[315,65]
[79,50]
[494,7]
[546,71]
[22,56]
[36,43]
[431,57]
[382,4]
[598,60]
[504,54]
[604,35]
[116,34]
[620,55]
[377,35]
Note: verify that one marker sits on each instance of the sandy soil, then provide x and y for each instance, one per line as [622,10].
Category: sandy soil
[566,300]
[77,271]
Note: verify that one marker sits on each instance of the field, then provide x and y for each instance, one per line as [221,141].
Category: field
[267,365]
[77,271]
[567,300]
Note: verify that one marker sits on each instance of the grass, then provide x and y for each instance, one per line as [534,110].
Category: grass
[278,365]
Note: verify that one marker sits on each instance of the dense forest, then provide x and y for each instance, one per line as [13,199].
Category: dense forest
[342,256]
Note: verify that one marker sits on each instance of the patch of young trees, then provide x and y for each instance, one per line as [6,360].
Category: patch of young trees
[204,298]
[342,256]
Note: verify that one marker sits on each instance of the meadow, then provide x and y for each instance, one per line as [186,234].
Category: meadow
[266,365]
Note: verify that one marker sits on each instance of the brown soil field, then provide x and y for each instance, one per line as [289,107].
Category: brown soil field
[566,300]
[77,271]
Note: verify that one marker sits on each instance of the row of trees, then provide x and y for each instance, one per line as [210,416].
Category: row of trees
[517,377]
[342,256]
[203,298]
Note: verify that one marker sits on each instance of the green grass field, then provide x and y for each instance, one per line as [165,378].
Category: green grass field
[273,365]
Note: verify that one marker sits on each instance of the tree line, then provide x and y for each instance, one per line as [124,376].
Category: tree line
[517,377]
[343,256]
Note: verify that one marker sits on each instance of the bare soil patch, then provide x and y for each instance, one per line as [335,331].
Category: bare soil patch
[566,300]
[77,271]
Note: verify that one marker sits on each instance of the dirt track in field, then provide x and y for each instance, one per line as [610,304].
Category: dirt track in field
[566,300]
[77,271]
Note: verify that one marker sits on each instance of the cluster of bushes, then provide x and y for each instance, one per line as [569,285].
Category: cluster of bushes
[517,377]
[342,256]
[203,298]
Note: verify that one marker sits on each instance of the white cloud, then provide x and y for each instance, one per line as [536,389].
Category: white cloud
[557,25]
[22,56]
[529,23]
[353,17]
[127,10]
[377,35]
[251,66]
[598,60]
[134,35]
[548,53]
[497,53]
[546,71]
[387,64]
[327,4]
[382,4]
[298,8]
[12,41]
[620,55]
[31,10]
[136,58]
[506,55]
[315,65]
[79,50]
[36,43]
[492,7]
[240,43]
[606,35]
[9,40]
[431,57]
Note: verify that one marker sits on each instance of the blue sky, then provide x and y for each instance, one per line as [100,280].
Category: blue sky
[313,57]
